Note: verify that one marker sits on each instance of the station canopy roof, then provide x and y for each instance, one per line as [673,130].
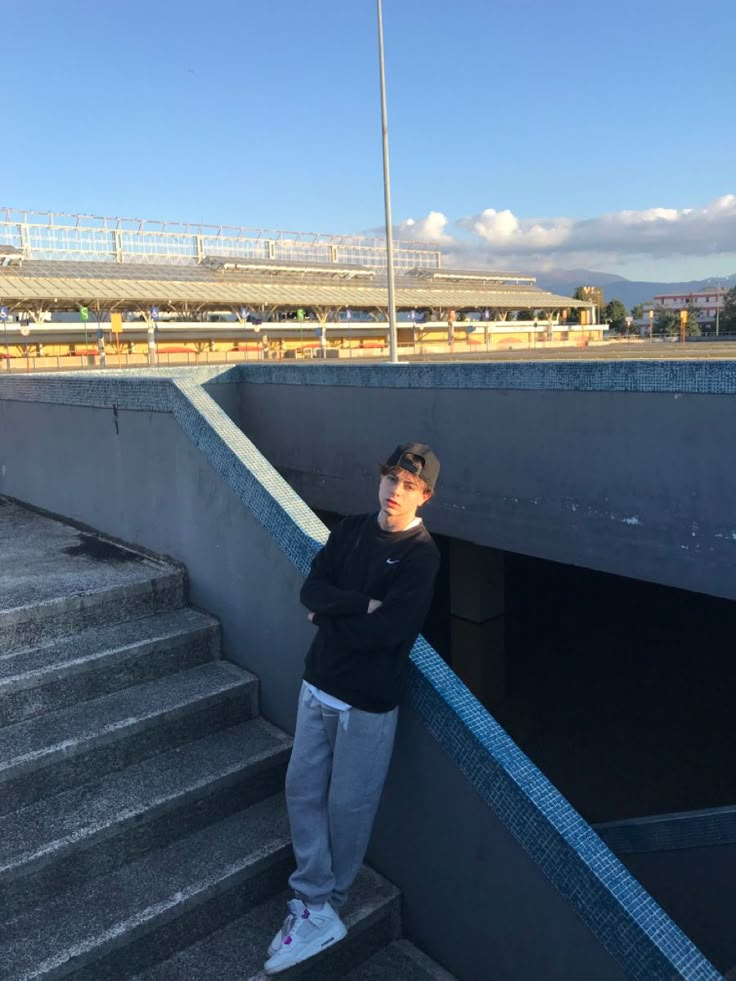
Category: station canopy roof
[69,284]
[477,276]
[235,265]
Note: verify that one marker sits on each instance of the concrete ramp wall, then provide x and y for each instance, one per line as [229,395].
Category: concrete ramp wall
[622,467]
[502,879]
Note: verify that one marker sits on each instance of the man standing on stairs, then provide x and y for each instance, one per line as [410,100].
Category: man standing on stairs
[368,593]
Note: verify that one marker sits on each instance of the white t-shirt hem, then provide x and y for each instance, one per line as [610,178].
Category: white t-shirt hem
[329,700]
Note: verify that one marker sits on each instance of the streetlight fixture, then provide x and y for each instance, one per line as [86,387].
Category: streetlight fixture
[393,355]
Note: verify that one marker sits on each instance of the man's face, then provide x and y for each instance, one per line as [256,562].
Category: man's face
[400,493]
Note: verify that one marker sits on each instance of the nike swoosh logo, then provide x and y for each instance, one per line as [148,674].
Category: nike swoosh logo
[392,561]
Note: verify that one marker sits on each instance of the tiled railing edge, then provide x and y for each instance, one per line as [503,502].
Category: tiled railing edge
[691,376]
[619,912]
[144,392]
[664,832]
[268,497]
[144,389]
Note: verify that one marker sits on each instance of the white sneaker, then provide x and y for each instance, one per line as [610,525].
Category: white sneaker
[296,908]
[304,933]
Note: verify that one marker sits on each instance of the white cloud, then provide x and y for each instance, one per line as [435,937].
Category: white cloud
[429,229]
[493,237]
[503,229]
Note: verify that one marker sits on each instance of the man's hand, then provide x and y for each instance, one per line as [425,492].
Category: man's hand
[373,605]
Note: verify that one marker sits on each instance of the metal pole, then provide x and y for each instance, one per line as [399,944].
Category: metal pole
[718,309]
[393,355]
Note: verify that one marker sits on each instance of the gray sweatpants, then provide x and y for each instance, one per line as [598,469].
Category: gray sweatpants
[333,785]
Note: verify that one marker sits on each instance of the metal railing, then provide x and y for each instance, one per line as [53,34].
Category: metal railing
[46,235]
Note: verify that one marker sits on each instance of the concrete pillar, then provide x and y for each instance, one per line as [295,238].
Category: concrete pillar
[477,608]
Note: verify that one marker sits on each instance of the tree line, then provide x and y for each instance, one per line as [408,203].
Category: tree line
[666,322]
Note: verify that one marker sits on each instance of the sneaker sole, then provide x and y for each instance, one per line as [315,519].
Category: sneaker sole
[307,953]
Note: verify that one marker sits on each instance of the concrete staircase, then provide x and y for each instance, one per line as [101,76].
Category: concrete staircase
[143,831]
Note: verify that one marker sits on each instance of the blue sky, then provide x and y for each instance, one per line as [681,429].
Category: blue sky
[523,133]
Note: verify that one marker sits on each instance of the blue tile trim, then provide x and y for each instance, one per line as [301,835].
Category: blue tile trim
[144,393]
[144,390]
[626,920]
[666,832]
[693,376]
[293,525]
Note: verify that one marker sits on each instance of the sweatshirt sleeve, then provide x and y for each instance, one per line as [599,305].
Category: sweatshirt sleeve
[319,594]
[401,614]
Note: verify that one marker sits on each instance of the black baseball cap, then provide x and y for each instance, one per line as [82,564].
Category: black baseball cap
[417,458]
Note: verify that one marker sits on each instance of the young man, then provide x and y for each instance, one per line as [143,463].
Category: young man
[368,593]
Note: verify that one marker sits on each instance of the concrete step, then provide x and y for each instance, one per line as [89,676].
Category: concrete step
[102,659]
[399,961]
[238,951]
[48,755]
[122,922]
[35,622]
[64,840]
[56,579]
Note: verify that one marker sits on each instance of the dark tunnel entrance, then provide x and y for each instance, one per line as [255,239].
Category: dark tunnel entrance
[621,691]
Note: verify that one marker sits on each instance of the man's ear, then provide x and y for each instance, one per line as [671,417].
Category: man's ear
[427,496]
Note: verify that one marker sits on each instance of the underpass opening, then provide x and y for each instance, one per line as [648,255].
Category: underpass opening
[621,691]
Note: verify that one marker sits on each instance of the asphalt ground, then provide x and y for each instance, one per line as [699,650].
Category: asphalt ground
[658,350]
[725,350]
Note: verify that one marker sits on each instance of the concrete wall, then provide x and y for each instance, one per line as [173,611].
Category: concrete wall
[155,461]
[225,391]
[136,475]
[622,468]
[453,860]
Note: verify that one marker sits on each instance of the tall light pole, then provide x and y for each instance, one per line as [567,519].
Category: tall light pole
[4,317]
[393,355]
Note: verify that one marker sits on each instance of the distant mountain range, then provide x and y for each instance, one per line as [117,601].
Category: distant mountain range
[566,281]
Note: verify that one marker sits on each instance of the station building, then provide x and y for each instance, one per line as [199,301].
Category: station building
[186,291]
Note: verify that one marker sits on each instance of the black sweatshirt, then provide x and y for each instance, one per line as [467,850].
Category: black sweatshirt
[360,657]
